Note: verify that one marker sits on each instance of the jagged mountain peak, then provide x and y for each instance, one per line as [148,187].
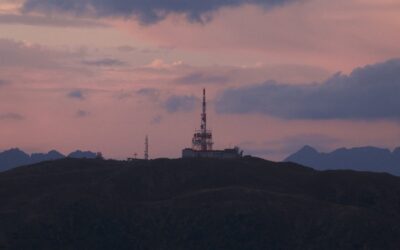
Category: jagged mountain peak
[366,158]
[308,149]
[16,157]
[82,154]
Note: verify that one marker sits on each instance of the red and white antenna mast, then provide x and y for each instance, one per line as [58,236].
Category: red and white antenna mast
[202,139]
[203,125]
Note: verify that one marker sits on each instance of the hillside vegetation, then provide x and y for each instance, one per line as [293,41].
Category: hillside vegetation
[246,203]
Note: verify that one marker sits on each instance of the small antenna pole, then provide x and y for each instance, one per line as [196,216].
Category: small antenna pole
[146,148]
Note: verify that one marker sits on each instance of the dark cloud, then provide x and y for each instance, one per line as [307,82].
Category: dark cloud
[146,11]
[19,54]
[82,113]
[371,92]
[202,78]
[129,49]
[11,117]
[76,94]
[180,103]
[105,62]
[126,48]
[171,103]
[24,56]
[51,21]
[124,95]
[147,91]
[150,93]
[3,82]
[156,119]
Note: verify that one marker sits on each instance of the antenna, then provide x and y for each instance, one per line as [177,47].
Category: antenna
[203,125]
[202,139]
[146,148]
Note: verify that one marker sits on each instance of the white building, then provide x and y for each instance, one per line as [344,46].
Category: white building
[202,142]
[228,153]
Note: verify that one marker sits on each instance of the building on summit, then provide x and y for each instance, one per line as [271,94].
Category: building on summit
[202,142]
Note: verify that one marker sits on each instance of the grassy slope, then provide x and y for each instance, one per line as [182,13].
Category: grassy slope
[196,204]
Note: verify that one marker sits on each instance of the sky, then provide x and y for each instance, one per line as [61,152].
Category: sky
[280,74]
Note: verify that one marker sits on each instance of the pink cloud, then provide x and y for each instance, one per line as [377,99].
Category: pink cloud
[303,32]
[299,43]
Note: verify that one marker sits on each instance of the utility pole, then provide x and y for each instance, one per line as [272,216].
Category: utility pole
[146,148]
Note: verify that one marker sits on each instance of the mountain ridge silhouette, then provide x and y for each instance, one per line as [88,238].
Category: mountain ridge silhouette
[367,158]
[15,157]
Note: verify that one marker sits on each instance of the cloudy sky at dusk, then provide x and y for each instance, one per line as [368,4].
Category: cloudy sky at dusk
[100,75]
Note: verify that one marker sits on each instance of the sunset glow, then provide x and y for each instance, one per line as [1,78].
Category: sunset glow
[98,76]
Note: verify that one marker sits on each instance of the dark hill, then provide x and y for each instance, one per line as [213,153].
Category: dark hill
[196,204]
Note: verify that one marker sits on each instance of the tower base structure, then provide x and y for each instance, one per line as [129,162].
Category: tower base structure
[229,153]
[202,142]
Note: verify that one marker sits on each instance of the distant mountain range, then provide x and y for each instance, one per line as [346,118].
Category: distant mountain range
[15,157]
[372,159]
[362,159]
